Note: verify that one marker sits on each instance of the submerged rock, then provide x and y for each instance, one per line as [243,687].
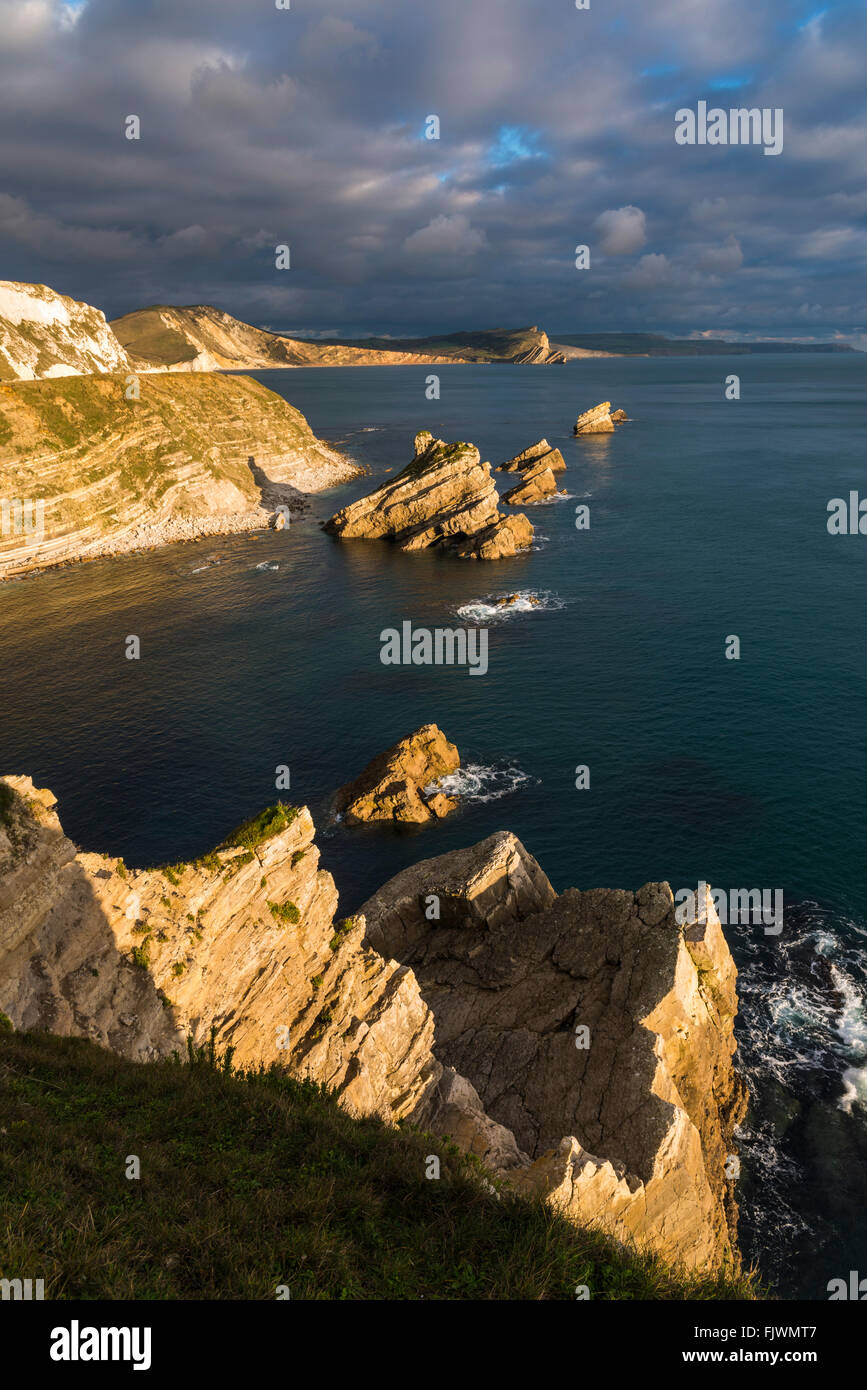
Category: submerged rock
[392,786]
[445,497]
[599,420]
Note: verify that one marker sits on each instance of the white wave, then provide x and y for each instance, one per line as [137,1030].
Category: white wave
[267,565]
[488,610]
[482,782]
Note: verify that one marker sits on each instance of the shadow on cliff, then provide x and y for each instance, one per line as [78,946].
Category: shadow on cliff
[67,974]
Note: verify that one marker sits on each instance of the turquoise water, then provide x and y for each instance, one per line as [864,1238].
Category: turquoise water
[707,519]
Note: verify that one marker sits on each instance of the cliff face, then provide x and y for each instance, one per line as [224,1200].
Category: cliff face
[465,1024]
[593,1016]
[200,338]
[45,334]
[114,474]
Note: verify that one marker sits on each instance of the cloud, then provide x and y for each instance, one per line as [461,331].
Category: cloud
[721,260]
[445,236]
[623,230]
[261,126]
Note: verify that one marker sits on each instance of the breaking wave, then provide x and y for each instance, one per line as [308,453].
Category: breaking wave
[492,609]
[483,782]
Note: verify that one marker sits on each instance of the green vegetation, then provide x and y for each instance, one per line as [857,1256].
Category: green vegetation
[341,930]
[297,857]
[285,912]
[251,1180]
[178,967]
[267,824]
[7,801]
[141,954]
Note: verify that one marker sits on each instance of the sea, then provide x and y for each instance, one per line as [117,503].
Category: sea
[740,764]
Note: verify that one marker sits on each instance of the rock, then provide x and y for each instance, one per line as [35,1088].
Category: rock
[537,483]
[509,600]
[392,786]
[278,521]
[532,455]
[445,497]
[629,1123]
[465,1025]
[599,420]
[504,538]
[619,415]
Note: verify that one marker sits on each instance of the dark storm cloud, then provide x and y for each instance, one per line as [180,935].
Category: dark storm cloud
[262,126]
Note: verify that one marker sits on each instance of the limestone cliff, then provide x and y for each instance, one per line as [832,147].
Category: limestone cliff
[200,338]
[444,497]
[593,1027]
[46,334]
[466,1024]
[92,471]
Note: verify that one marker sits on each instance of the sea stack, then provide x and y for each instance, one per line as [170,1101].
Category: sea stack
[445,497]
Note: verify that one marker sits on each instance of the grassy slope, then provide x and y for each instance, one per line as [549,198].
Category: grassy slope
[252,1181]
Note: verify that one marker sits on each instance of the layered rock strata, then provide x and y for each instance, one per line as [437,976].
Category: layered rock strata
[599,420]
[463,1020]
[445,497]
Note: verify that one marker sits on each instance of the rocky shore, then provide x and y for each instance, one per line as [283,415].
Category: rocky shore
[580,1044]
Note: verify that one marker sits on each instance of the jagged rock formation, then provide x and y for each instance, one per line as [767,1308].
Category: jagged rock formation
[537,483]
[530,457]
[445,497]
[189,456]
[537,466]
[634,1124]
[45,334]
[394,785]
[475,1038]
[599,420]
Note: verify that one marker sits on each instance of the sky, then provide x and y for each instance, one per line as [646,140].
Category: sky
[307,127]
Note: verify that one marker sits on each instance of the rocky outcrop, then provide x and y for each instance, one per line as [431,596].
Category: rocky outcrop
[243,941]
[599,420]
[445,497]
[45,334]
[98,471]
[537,483]
[537,466]
[399,785]
[532,456]
[457,1006]
[594,1028]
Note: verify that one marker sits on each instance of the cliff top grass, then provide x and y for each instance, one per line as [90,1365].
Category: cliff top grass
[253,1180]
[262,827]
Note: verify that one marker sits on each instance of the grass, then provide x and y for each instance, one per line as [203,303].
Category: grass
[260,828]
[251,1179]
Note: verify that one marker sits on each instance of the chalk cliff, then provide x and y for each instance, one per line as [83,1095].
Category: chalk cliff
[464,1023]
[46,334]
